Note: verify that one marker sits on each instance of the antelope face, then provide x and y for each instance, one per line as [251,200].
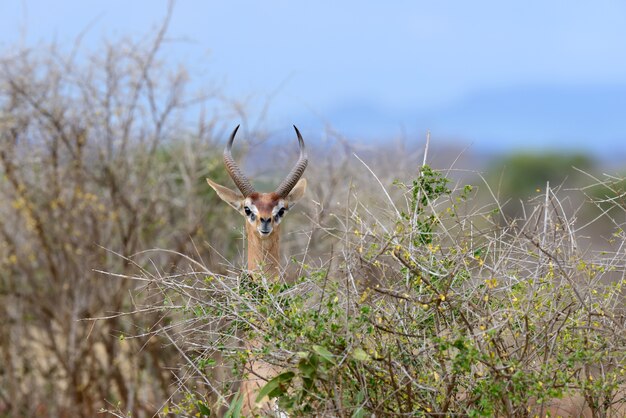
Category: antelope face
[263,211]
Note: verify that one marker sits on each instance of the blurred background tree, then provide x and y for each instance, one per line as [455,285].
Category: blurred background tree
[517,177]
[97,163]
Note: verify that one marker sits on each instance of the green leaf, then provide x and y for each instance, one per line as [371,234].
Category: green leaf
[234,410]
[307,368]
[324,353]
[360,411]
[203,409]
[360,355]
[275,387]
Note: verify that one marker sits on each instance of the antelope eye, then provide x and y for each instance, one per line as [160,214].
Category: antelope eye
[281,212]
[247,210]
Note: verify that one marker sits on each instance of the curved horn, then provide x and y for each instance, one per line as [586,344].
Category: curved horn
[297,170]
[242,182]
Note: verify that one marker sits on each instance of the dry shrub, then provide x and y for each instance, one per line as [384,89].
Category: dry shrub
[96,165]
[427,305]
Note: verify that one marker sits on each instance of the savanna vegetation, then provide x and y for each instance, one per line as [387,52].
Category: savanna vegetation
[407,291]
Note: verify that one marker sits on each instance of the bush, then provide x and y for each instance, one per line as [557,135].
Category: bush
[95,167]
[525,174]
[427,309]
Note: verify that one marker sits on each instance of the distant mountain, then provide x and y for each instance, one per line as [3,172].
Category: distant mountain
[585,118]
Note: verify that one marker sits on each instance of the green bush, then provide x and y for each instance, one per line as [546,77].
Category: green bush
[521,176]
[427,312]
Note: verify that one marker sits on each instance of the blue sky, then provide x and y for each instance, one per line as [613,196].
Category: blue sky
[496,74]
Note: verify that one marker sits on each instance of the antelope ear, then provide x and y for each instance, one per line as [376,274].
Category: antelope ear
[234,199]
[296,193]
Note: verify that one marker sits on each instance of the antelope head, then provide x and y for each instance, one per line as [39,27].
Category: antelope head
[263,211]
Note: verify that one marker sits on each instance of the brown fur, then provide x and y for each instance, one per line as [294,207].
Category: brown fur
[264,202]
[263,256]
[263,252]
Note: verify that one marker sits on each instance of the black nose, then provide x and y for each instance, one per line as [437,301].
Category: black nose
[265,225]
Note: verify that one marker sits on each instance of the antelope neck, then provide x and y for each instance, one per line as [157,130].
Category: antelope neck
[263,253]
